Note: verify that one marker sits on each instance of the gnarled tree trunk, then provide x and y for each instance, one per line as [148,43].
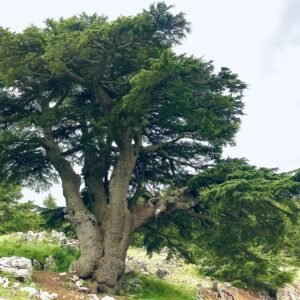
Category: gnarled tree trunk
[105,230]
[117,234]
[103,254]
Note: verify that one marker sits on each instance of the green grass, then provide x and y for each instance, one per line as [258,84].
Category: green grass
[39,251]
[149,287]
[152,288]
[10,295]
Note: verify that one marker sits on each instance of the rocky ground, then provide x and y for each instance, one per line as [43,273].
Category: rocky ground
[19,280]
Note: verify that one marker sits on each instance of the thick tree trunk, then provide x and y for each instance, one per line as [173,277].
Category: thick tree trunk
[109,266]
[105,256]
[86,228]
[115,226]
[105,230]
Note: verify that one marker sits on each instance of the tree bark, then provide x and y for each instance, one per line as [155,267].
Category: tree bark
[106,229]
[118,230]
[82,220]
[110,268]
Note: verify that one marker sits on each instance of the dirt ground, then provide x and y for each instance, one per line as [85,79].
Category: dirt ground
[52,282]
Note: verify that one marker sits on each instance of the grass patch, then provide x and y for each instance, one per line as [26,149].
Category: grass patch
[151,288]
[10,295]
[39,251]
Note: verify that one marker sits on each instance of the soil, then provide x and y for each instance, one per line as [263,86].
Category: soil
[52,282]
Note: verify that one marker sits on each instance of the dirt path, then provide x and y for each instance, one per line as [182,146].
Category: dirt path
[52,282]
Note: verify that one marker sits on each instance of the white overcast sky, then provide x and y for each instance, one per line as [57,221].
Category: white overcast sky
[259,40]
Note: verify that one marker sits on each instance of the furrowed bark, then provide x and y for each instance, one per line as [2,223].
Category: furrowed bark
[105,232]
[94,172]
[119,227]
[83,221]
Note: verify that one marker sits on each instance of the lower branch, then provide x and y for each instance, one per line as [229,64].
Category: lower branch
[179,199]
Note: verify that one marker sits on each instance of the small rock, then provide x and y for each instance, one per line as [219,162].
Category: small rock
[47,296]
[161,273]
[136,265]
[50,264]
[62,274]
[58,237]
[36,264]
[75,278]
[83,289]
[71,244]
[32,292]
[16,286]
[107,298]
[4,282]
[79,283]
[93,297]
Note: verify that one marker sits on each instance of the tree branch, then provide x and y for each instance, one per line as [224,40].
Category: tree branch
[72,74]
[155,147]
[179,199]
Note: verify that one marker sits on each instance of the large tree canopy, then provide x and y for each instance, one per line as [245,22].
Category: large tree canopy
[91,85]
[113,98]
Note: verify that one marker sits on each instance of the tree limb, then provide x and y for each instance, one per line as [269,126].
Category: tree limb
[72,74]
[179,199]
[155,147]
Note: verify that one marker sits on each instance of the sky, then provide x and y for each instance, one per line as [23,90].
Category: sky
[259,40]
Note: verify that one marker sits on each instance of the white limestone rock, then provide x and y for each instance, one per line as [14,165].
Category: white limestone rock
[79,283]
[43,295]
[19,267]
[288,292]
[16,286]
[4,282]
[107,298]
[32,292]
[92,297]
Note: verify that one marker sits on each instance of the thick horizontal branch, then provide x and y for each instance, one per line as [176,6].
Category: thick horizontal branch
[179,199]
[68,72]
[156,147]
[72,151]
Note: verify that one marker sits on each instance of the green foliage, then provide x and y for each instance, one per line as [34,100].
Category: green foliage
[86,84]
[39,251]
[12,294]
[50,202]
[55,219]
[15,216]
[89,79]
[10,193]
[239,229]
[151,288]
